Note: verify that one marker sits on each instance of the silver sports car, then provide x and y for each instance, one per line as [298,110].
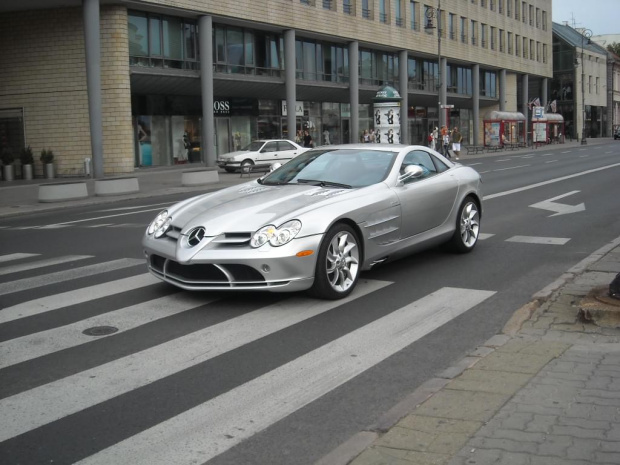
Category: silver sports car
[316,222]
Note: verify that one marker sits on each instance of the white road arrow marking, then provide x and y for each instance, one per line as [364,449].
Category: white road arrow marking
[559,208]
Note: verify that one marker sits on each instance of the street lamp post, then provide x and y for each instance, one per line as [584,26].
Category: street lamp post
[585,34]
[430,13]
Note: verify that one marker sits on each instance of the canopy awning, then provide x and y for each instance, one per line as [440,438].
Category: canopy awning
[504,116]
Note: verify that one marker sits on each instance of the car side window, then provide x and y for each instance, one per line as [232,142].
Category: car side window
[440,165]
[283,145]
[270,147]
[420,158]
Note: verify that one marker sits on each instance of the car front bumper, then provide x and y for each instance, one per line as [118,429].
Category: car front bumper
[222,268]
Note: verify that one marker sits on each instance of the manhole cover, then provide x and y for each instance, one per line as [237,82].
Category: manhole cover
[100,331]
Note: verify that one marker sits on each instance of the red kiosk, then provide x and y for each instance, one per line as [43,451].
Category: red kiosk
[547,128]
[510,125]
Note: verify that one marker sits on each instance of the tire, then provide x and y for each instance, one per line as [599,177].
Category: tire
[338,264]
[247,163]
[467,229]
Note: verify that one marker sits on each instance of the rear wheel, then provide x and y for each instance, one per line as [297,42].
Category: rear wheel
[465,236]
[338,263]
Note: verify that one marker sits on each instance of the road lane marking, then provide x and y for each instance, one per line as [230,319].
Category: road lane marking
[66,223]
[539,240]
[559,208]
[568,151]
[42,263]
[35,345]
[39,406]
[67,299]
[135,208]
[16,256]
[62,276]
[551,161]
[216,426]
[551,181]
[483,236]
[511,168]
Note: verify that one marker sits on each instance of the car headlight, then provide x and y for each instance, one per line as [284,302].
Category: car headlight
[276,236]
[160,224]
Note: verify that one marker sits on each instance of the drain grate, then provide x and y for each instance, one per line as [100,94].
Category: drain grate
[100,331]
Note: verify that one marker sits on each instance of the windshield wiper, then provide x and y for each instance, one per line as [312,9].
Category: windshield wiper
[316,182]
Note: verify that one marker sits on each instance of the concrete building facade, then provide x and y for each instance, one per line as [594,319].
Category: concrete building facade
[157,82]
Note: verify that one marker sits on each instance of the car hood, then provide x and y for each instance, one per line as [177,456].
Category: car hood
[250,206]
[240,153]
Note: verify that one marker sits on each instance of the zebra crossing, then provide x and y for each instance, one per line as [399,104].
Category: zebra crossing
[88,413]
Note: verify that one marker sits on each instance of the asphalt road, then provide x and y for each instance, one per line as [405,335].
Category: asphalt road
[262,378]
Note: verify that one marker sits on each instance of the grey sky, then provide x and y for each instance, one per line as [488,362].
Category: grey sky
[600,16]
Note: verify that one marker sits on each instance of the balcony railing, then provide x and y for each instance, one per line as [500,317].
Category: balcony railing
[347,9]
[366,13]
[415,25]
[464,38]
[400,22]
[383,17]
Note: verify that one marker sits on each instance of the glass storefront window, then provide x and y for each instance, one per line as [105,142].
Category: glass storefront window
[155,36]
[172,39]
[138,36]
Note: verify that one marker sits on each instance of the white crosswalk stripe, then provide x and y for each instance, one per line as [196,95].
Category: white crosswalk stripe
[66,299]
[41,263]
[61,276]
[16,256]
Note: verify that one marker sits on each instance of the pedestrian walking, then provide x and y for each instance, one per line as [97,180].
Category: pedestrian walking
[457,138]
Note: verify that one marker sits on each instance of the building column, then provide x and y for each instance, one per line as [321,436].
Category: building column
[502,90]
[443,92]
[205,27]
[354,94]
[524,104]
[476,102]
[403,79]
[92,47]
[544,101]
[290,80]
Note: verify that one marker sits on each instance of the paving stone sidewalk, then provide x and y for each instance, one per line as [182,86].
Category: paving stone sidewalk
[545,392]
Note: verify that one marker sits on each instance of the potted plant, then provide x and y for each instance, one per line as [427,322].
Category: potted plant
[47,158]
[27,160]
[7,164]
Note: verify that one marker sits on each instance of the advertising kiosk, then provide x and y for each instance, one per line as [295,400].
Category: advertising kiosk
[547,128]
[386,108]
[504,128]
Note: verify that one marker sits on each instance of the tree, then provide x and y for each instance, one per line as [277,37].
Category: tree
[614,48]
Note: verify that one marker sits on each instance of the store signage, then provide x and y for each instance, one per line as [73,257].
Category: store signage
[221,107]
[299,108]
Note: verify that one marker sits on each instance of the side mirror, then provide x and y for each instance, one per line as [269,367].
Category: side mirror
[411,171]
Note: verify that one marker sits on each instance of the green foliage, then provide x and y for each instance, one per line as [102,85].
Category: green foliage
[47,156]
[614,48]
[7,156]
[26,156]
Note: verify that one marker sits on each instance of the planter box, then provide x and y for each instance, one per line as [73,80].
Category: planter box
[116,186]
[8,172]
[27,172]
[48,170]
[199,177]
[59,192]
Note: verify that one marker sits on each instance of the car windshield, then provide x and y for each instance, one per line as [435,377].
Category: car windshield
[254,146]
[335,168]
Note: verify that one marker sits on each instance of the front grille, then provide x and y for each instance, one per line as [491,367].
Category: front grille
[207,275]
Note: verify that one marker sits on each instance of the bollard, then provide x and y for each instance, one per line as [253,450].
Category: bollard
[87,167]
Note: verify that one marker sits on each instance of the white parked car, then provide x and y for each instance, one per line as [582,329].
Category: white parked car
[260,152]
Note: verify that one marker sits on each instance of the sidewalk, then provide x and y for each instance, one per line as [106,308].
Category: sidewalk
[19,197]
[544,392]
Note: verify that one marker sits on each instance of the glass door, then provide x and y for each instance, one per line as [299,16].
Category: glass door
[223,141]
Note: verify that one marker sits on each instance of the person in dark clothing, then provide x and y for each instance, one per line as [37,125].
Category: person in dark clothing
[307,139]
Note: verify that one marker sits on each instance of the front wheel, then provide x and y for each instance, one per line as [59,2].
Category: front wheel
[467,227]
[338,264]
